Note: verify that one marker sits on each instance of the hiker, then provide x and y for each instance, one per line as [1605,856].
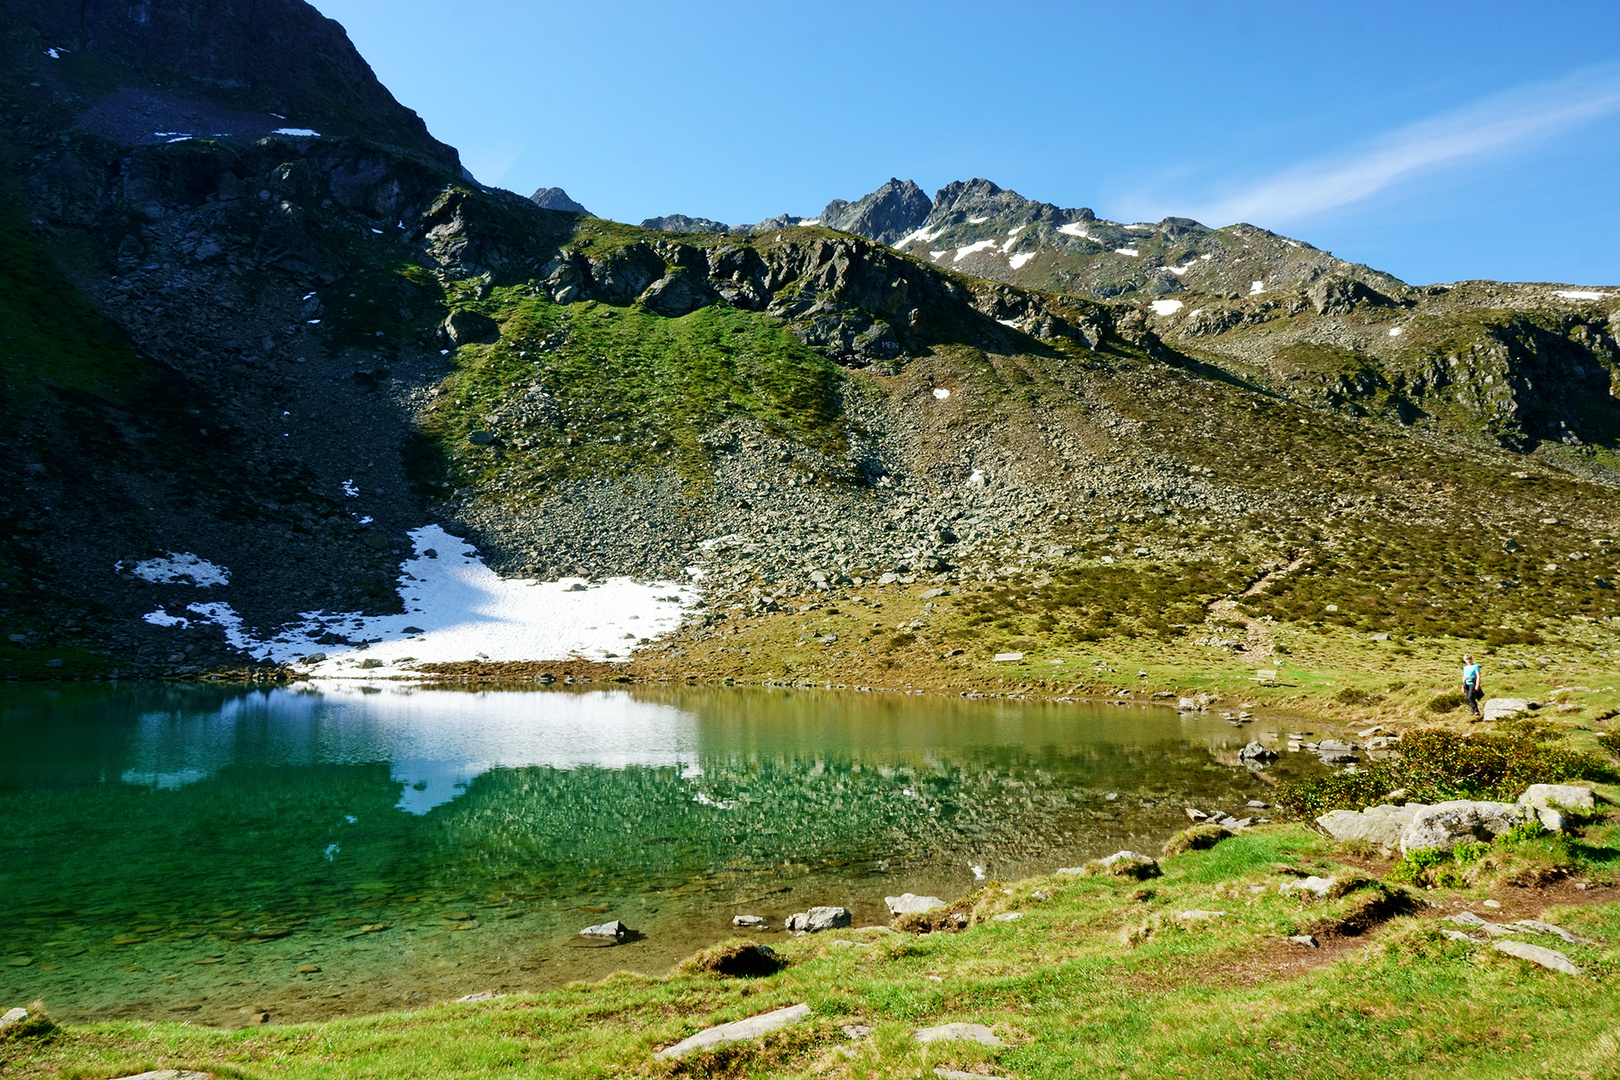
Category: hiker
[1471,684]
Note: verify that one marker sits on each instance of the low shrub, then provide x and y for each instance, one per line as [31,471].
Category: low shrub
[1444,703]
[1435,765]
[738,959]
[1350,695]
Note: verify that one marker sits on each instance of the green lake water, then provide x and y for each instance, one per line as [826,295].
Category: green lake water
[181,852]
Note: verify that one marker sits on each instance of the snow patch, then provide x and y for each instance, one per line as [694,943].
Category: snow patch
[1395,331]
[1140,227]
[1580,294]
[160,617]
[977,220]
[54,54]
[964,252]
[179,568]
[938,255]
[1205,258]
[1019,260]
[1127,251]
[456,608]
[302,133]
[1165,307]
[1074,228]
[1008,322]
[811,221]
[1257,288]
[941,393]
[921,236]
[1015,230]
[350,490]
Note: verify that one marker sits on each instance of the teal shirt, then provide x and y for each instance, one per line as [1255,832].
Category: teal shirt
[1471,675]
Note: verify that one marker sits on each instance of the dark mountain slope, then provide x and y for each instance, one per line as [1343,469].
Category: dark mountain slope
[145,72]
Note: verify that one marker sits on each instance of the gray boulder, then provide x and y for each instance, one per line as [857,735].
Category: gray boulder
[1380,825]
[12,1017]
[677,294]
[1255,751]
[1572,796]
[1551,959]
[818,919]
[737,1031]
[1129,864]
[1445,825]
[911,904]
[1504,708]
[1316,886]
[747,920]
[947,1032]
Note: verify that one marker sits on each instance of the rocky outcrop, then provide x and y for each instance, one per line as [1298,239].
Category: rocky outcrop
[1382,826]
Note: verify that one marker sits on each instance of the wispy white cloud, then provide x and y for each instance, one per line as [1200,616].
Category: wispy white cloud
[490,164]
[1493,126]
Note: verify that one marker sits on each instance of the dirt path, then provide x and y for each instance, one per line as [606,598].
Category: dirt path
[1262,642]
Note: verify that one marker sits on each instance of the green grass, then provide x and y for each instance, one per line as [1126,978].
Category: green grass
[616,390]
[1100,977]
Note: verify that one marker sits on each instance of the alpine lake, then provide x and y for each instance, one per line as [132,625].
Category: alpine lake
[226,856]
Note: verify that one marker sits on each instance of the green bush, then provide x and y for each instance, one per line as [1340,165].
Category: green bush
[1610,741]
[1350,695]
[1435,765]
[1443,703]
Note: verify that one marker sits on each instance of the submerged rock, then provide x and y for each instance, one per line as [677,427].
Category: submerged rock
[615,930]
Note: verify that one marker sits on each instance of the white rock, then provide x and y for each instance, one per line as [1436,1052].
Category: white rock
[911,904]
[614,929]
[747,920]
[1573,796]
[1455,935]
[970,1032]
[1009,916]
[1551,959]
[13,1016]
[1197,916]
[737,1031]
[1187,704]
[1445,825]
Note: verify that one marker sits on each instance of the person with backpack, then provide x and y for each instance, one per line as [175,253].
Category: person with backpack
[1471,687]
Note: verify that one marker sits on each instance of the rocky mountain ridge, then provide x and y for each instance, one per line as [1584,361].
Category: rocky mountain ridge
[283,351]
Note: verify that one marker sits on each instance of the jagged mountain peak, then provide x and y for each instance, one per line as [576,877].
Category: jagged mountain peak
[892,211]
[555,198]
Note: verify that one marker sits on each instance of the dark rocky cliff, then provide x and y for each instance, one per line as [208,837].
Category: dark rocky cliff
[274,60]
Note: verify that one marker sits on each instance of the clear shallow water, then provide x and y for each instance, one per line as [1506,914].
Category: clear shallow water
[176,852]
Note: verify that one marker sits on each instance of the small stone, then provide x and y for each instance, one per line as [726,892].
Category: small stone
[1008,657]
[482,995]
[19,961]
[747,920]
[1551,959]
[1257,751]
[13,1016]
[1306,940]
[737,1031]
[857,1031]
[1009,916]
[308,969]
[1199,916]
[1491,903]
[978,1033]
[1540,927]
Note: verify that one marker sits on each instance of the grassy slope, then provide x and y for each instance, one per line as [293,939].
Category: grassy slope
[1101,977]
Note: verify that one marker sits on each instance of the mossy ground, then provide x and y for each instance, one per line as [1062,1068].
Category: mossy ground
[1100,976]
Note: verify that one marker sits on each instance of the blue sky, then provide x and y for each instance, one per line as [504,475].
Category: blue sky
[1436,141]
